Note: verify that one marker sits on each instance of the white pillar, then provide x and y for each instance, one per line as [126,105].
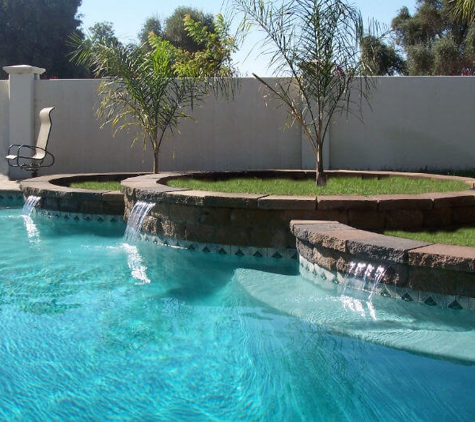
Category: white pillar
[21,120]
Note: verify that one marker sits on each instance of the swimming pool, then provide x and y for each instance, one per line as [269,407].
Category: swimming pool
[93,328]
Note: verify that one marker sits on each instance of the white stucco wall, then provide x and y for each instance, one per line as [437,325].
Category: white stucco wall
[413,123]
[242,133]
[239,134]
[77,141]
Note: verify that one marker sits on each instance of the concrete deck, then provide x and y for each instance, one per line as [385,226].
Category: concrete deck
[9,185]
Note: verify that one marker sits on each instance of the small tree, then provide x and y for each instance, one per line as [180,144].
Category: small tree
[315,44]
[178,35]
[215,57]
[148,87]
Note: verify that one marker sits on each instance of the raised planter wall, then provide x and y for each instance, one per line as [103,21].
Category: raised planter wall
[264,220]
[58,198]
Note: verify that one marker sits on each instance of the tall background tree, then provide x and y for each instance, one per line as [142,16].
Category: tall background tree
[102,31]
[381,59]
[152,24]
[436,41]
[176,33]
[37,32]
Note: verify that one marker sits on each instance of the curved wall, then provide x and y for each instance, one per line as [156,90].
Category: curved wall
[264,220]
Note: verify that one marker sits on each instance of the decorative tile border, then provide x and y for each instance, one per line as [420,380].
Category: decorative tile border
[308,269]
[327,279]
[220,249]
[337,282]
[75,216]
[207,245]
[11,199]
[176,243]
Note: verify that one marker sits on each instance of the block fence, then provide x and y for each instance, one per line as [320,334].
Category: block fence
[411,123]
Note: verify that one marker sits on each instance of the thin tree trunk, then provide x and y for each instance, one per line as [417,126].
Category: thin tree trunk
[321,177]
[155,162]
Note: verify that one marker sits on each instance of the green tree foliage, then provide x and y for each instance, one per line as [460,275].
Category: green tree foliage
[152,88]
[176,33]
[214,57]
[316,45]
[381,59]
[37,32]
[436,41]
[101,32]
[152,24]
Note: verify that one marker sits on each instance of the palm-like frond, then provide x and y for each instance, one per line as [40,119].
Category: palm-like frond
[142,88]
[464,9]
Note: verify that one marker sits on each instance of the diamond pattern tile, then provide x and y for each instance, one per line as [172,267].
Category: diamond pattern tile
[323,277]
[455,305]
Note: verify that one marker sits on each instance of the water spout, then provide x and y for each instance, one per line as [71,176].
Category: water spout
[363,277]
[378,276]
[31,229]
[355,277]
[135,221]
[30,204]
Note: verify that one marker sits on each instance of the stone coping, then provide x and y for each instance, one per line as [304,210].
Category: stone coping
[152,185]
[57,196]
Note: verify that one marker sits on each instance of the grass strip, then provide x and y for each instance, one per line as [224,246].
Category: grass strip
[335,186]
[463,236]
[96,185]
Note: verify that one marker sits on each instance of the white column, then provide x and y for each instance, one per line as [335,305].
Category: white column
[21,108]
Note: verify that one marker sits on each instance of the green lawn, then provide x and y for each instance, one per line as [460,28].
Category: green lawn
[335,186]
[96,185]
[463,236]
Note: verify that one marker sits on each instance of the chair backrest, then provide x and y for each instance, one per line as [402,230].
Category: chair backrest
[43,135]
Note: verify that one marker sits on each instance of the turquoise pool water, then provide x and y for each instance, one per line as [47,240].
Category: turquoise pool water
[94,329]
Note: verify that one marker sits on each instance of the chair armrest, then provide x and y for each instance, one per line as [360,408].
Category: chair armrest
[20,150]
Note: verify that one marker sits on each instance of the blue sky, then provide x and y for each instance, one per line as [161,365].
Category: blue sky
[128,17]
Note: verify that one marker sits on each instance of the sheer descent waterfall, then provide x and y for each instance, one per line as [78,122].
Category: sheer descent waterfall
[362,276]
[30,204]
[135,221]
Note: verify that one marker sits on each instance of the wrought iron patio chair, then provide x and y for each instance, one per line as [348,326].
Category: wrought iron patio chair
[32,157]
